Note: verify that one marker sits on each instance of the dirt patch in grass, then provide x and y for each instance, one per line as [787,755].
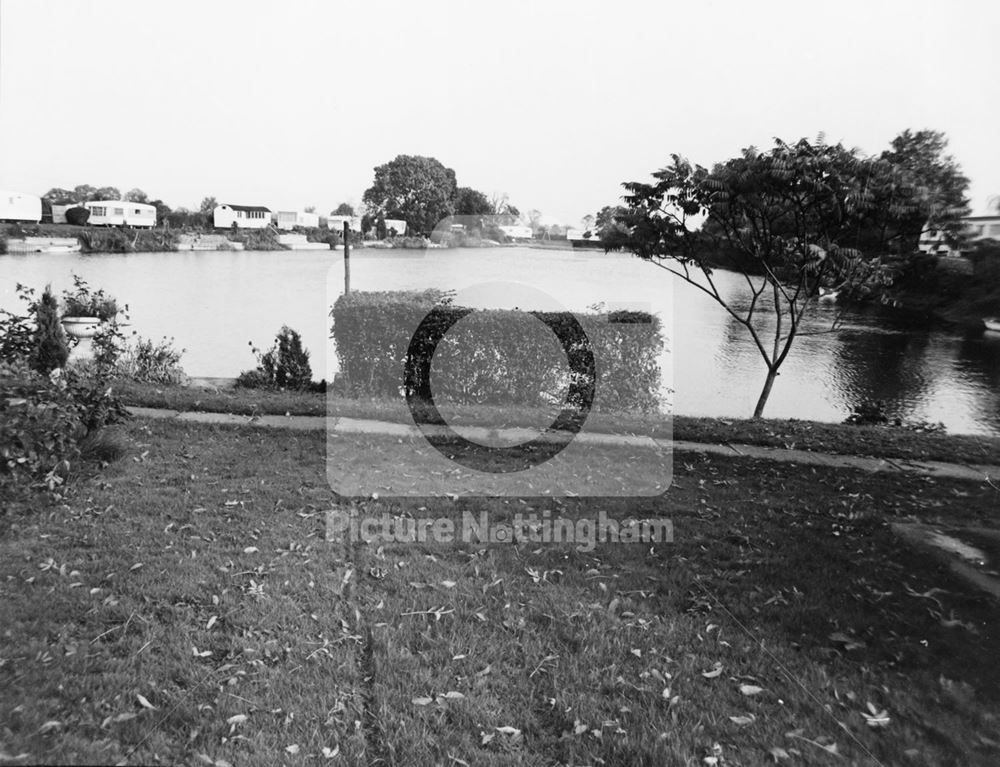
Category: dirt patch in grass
[195,573]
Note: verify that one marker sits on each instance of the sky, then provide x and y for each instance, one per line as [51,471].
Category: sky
[294,103]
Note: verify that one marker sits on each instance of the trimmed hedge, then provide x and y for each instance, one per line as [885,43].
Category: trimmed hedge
[497,357]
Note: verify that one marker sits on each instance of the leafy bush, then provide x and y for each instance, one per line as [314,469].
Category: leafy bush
[494,356]
[873,413]
[82,301]
[147,362]
[77,216]
[867,413]
[50,349]
[17,331]
[284,366]
[257,239]
[45,419]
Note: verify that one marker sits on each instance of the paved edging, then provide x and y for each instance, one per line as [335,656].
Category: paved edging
[976,473]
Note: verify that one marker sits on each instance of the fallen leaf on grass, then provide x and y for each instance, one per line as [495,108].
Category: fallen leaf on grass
[211,622]
[292,749]
[449,584]
[250,550]
[329,753]
[118,718]
[751,689]
[422,701]
[144,702]
[850,643]
[743,720]
[50,725]
[777,753]
[237,719]
[875,718]
[452,695]
[714,672]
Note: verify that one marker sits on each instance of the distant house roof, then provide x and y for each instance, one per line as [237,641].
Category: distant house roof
[247,208]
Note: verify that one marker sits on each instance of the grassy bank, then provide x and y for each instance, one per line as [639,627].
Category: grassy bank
[183,607]
[126,240]
[877,441]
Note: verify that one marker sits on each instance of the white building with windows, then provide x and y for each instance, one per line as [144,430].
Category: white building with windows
[15,206]
[976,228]
[120,213]
[395,226]
[289,219]
[244,216]
[336,223]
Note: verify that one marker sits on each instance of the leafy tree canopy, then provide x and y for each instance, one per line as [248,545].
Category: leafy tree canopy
[419,190]
[344,209]
[794,221]
[470,202]
[208,205]
[939,185]
[106,193]
[59,196]
[136,195]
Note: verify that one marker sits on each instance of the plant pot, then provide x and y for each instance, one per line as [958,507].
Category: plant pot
[81,327]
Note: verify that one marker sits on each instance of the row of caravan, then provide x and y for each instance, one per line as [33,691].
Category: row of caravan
[16,207]
[26,208]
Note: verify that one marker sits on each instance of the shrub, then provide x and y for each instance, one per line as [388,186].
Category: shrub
[82,301]
[494,356]
[867,413]
[257,239]
[17,330]
[50,349]
[77,216]
[147,362]
[284,366]
[873,413]
[44,420]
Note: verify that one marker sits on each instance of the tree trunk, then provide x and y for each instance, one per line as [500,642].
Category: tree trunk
[772,373]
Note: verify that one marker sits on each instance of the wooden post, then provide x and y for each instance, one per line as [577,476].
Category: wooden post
[347,257]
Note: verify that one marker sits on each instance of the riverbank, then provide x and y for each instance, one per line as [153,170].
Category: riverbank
[189,604]
[959,292]
[863,440]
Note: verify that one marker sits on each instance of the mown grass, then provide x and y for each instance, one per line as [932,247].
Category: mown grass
[196,573]
[876,441]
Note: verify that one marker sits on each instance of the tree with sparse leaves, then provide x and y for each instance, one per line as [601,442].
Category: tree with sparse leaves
[793,221]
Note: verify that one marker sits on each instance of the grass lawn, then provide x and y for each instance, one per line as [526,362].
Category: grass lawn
[877,441]
[183,606]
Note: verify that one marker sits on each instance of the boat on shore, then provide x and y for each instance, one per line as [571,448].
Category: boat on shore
[992,324]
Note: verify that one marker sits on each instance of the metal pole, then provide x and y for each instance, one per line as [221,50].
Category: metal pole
[347,258]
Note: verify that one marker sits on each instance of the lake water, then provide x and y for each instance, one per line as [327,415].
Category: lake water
[213,304]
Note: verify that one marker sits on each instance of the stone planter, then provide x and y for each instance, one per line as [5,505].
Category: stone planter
[81,327]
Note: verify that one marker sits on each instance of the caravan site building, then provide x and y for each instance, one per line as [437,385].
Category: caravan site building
[243,216]
[120,213]
[15,206]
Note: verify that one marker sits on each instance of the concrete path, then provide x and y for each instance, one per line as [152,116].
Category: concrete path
[973,472]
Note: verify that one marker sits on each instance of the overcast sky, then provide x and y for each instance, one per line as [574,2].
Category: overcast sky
[294,103]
